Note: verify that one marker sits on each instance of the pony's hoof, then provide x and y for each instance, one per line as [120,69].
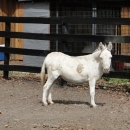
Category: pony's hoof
[51,103]
[93,105]
[44,104]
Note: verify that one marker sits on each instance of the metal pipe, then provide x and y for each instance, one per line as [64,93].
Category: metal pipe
[94,14]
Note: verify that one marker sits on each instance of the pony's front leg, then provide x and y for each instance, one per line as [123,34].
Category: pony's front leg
[92,92]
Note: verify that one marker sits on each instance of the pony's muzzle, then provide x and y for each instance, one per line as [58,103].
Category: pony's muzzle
[106,70]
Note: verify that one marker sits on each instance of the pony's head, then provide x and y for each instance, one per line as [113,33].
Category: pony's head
[105,56]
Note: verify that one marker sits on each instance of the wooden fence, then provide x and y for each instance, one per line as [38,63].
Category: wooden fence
[7,34]
[12,8]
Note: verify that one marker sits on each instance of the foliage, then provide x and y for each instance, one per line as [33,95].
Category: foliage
[117,84]
[117,80]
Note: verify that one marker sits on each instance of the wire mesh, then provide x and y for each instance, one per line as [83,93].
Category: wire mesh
[102,9]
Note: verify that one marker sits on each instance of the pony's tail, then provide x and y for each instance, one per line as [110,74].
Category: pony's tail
[43,75]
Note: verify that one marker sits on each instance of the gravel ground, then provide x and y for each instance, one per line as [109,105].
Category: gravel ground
[21,107]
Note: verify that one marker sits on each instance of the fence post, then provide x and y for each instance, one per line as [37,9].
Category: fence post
[65,31]
[6,55]
[65,46]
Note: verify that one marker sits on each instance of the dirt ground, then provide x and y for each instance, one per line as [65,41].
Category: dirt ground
[21,107]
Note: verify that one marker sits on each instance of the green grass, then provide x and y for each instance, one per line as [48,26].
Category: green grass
[118,84]
[118,80]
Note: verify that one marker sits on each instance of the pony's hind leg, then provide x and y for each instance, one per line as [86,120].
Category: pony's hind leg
[50,90]
[50,95]
[47,89]
[50,98]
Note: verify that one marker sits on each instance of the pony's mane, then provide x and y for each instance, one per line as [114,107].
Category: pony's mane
[97,50]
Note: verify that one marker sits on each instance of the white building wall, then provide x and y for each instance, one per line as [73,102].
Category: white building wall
[39,9]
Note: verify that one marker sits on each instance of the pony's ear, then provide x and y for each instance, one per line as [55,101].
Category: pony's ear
[101,46]
[109,47]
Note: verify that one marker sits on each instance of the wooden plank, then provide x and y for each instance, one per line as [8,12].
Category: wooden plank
[12,10]
[16,40]
[33,20]
[2,27]
[69,20]
[125,31]
[20,68]
[67,37]
[20,29]
[4,11]
[116,3]
[33,52]
[118,74]
[6,55]
[1,38]
[17,11]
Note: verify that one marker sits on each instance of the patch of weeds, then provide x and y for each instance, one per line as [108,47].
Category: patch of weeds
[118,84]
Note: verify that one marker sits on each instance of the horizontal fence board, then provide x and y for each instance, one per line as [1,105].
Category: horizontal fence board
[116,3]
[107,21]
[66,37]
[24,51]
[121,58]
[32,69]
[69,20]
[20,68]
[34,20]
[119,74]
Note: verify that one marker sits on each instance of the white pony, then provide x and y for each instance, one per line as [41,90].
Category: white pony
[75,69]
